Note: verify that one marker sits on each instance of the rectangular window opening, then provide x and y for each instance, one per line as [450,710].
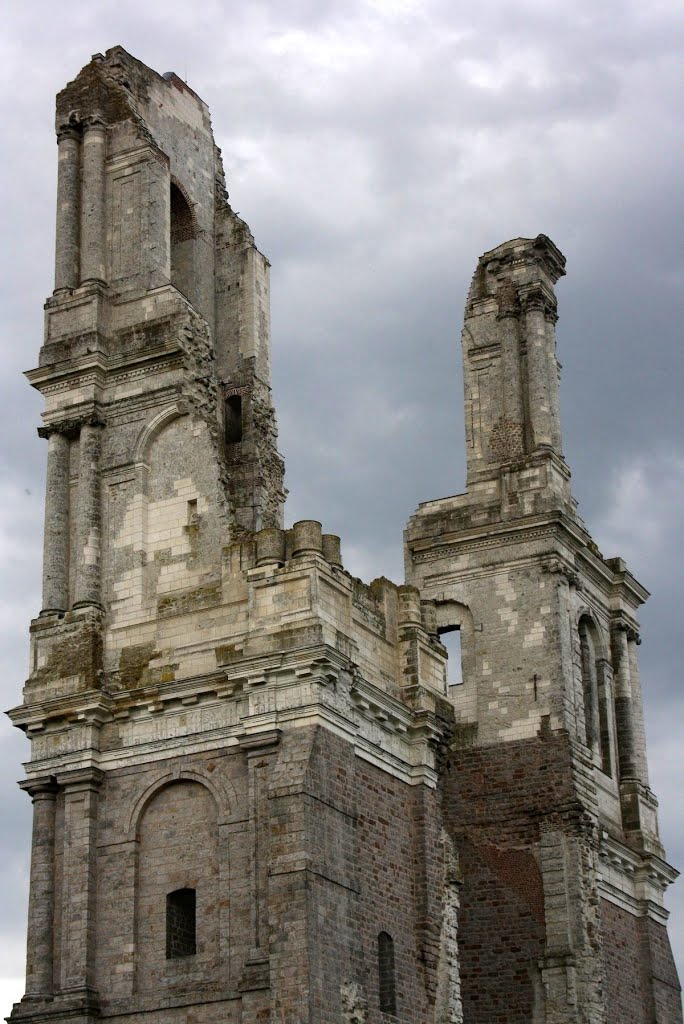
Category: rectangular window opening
[180,923]
[233,419]
[451,639]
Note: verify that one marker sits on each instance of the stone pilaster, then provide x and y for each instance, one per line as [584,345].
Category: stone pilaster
[638,727]
[68,208]
[89,514]
[551,318]
[93,202]
[78,887]
[39,941]
[511,384]
[538,369]
[260,750]
[56,539]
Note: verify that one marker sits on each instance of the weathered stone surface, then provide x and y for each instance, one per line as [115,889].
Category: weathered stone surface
[256,796]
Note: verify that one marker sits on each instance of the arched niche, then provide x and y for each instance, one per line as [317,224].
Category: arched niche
[177,851]
[596,692]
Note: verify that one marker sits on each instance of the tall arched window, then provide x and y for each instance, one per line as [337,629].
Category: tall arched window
[182,244]
[596,689]
[386,979]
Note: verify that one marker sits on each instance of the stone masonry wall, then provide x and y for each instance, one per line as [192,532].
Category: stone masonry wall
[347,848]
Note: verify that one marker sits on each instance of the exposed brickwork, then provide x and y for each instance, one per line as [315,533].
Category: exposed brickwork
[641,978]
[495,800]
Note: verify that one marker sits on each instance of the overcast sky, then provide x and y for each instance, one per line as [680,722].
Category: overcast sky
[377,149]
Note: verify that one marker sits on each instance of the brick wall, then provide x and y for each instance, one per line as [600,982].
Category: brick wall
[641,978]
[495,800]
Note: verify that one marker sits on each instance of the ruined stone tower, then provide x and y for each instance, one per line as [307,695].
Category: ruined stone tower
[256,795]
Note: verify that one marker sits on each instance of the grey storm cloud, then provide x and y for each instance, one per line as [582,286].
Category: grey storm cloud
[376,149]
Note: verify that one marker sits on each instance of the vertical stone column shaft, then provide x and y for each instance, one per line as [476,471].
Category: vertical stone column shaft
[39,941]
[554,390]
[93,203]
[79,878]
[56,538]
[638,727]
[537,371]
[68,209]
[88,521]
[623,703]
[510,366]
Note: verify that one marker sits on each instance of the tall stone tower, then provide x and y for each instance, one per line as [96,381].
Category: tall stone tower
[547,796]
[233,761]
[256,796]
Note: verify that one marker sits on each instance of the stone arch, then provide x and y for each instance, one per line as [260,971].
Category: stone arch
[154,427]
[222,790]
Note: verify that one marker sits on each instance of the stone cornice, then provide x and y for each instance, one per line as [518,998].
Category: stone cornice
[244,704]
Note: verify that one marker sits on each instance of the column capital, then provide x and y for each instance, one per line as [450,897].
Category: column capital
[70,130]
[620,624]
[42,788]
[71,426]
[536,299]
[94,122]
[566,572]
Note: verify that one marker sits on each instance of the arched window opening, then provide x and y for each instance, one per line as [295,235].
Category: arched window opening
[233,419]
[386,980]
[603,683]
[450,637]
[180,923]
[182,244]
[595,687]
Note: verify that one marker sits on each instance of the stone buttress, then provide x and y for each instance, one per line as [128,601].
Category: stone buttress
[235,746]
[546,791]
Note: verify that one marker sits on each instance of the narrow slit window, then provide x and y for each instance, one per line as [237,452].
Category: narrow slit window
[181,916]
[233,417]
[451,638]
[386,980]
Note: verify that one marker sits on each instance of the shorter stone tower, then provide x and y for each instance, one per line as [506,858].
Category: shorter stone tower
[256,797]
[547,795]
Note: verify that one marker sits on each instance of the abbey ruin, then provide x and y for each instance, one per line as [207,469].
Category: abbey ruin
[257,796]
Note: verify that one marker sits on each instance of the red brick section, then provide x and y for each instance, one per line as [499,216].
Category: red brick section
[495,800]
[641,978]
